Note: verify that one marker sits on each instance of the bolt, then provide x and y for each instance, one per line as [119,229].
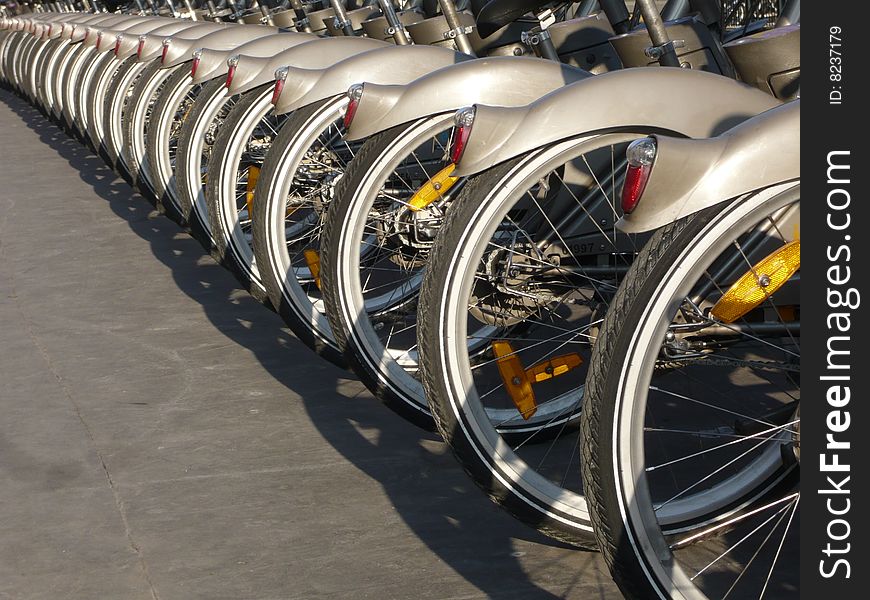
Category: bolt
[764,281]
[515,381]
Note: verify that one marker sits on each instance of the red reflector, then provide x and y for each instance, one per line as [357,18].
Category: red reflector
[351,113]
[140,48]
[635,182]
[460,139]
[117,46]
[230,73]
[87,33]
[279,87]
[99,39]
[163,55]
[194,66]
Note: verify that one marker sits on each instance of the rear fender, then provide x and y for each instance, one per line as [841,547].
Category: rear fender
[108,29]
[213,63]
[78,34]
[691,175]
[181,50]
[58,25]
[498,80]
[683,102]
[130,38]
[152,46]
[79,22]
[316,54]
[107,34]
[390,65]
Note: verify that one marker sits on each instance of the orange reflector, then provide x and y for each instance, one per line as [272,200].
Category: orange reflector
[759,283]
[554,367]
[435,188]
[516,382]
[253,177]
[313,260]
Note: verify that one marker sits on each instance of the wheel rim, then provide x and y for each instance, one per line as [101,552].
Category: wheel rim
[544,475]
[733,524]
[296,209]
[198,153]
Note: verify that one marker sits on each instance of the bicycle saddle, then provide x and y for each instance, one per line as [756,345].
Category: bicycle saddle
[495,14]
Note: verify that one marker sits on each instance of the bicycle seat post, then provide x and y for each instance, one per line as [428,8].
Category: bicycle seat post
[190,10]
[396,29]
[662,48]
[456,31]
[303,23]
[341,20]
[538,38]
[617,14]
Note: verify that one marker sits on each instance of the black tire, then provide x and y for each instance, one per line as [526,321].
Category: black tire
[365,161]
[104,71]
[299,324]
[72,73]
[222,252]
[165,202]
[619,538]
[198,229]
[137,167]
[115,96]
[464,450]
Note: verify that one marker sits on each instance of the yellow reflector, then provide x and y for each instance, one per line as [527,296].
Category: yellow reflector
[755,286]
[434,188]
[313,260]
[554,367]
[253,176]
[516,382]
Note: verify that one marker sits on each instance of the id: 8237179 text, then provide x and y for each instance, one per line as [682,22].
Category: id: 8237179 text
[835,64]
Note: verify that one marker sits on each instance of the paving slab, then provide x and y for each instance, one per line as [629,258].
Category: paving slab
[163,437]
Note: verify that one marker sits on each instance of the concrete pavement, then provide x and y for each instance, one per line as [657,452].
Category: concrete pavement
[162,437]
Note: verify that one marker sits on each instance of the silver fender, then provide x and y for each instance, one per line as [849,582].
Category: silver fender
[317,54]
[102,37]
[691,175]
[390,65]
[181,50]
[689,103]
[213,63]
[109,27]
[79,33]
[57,26]
[499,80]
[130,38]
[152,45]
[79,23]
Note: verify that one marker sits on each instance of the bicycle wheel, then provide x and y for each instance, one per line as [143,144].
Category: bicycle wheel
[693,398]
[518,279]
[171,108]
[85,106]
[136,120]
[73,77]
[117,101]
[374,250]
[296,186]
[195,143]
[236,159]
